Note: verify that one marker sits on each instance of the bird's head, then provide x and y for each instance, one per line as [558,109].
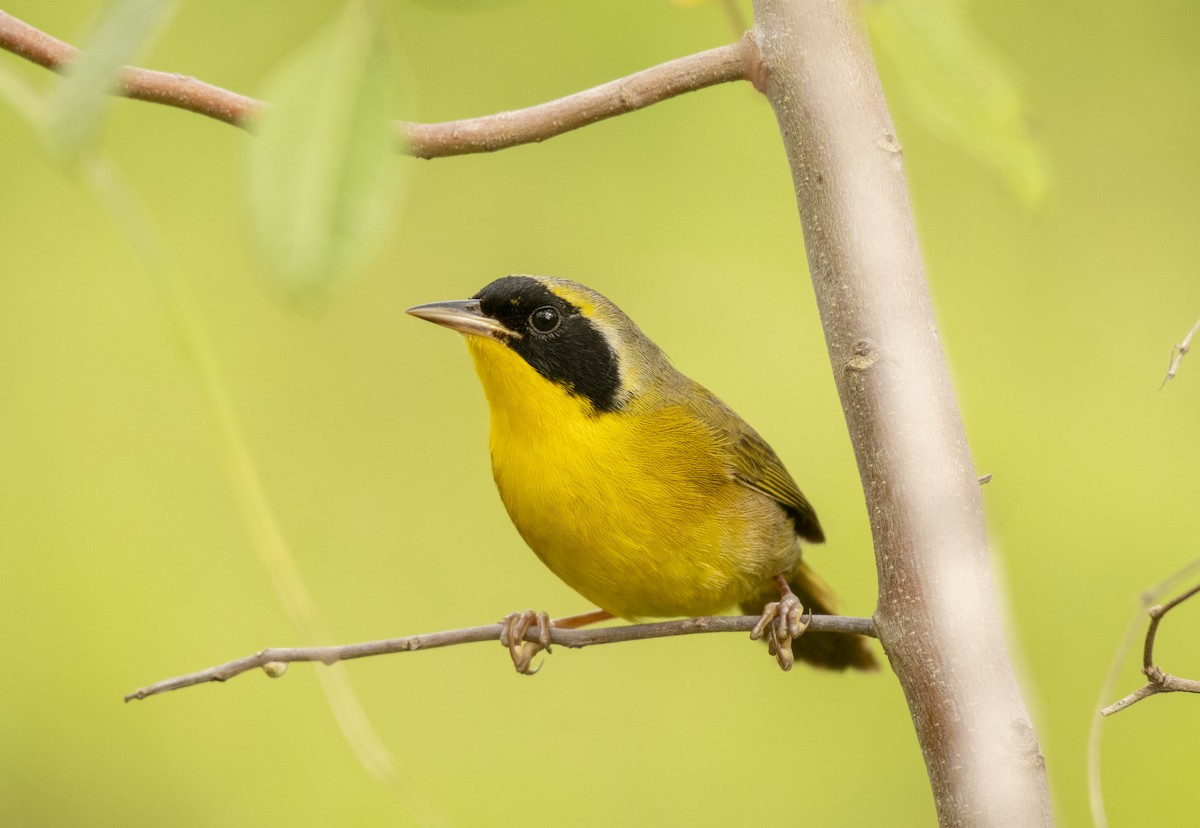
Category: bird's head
[567,333]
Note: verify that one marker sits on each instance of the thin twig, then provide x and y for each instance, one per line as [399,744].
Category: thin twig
[473,135]
[1178,352]
[1159,683]
[1149,598]
[490,632]
[1157,680]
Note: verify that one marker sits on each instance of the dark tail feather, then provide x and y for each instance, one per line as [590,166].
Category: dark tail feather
[830,651]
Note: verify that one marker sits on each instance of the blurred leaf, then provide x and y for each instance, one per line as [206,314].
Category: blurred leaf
[81,101]
[959,86]
[322,169]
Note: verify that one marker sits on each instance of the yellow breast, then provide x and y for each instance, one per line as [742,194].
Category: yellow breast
[635,511]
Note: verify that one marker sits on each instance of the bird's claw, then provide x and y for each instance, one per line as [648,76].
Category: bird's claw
[781,622]
[512,635]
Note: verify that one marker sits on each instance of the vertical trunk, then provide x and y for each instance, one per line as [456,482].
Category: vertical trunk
[937,616]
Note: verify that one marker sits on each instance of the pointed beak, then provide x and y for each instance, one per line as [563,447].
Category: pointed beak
[463,316]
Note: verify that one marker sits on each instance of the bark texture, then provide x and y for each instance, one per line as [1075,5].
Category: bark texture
[937,615]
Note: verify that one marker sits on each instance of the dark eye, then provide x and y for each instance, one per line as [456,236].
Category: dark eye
[545,319]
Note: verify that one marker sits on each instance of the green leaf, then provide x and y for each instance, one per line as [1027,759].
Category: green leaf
[961,89]
[322,168]
[81,101]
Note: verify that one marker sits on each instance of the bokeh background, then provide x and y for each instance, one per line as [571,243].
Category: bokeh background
[125,559]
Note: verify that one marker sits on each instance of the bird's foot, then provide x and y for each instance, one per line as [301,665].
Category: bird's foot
[515,625]
[512,635]
[782,621]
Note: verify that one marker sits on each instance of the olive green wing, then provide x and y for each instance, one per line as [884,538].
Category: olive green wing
[756,465]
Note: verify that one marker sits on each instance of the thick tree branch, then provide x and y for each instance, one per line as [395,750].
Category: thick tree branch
[490,632]
[489,133]
[937,616]
[1156,680]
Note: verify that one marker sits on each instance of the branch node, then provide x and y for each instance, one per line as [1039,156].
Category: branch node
[862,356]
[888,142]
[1158,680]
[752,62]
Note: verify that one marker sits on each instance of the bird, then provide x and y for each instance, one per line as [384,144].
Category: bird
[637,486]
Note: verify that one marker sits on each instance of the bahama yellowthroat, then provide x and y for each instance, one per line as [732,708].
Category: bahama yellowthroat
[637,486]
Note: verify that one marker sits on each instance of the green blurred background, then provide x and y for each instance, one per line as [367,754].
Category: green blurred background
[125,559]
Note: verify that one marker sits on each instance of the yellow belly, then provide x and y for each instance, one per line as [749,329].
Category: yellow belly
[635,511]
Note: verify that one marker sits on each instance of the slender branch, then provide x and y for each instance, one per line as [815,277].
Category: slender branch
[166,88]
[1156,680]
[736,61]
[537,123]
[270,657]
[1160,682]
[1178,352]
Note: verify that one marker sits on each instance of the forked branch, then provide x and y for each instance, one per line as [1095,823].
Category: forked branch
[736,61]
[1157,681]
[269,658]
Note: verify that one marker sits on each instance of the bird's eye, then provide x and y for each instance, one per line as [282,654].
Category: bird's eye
[545,319]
